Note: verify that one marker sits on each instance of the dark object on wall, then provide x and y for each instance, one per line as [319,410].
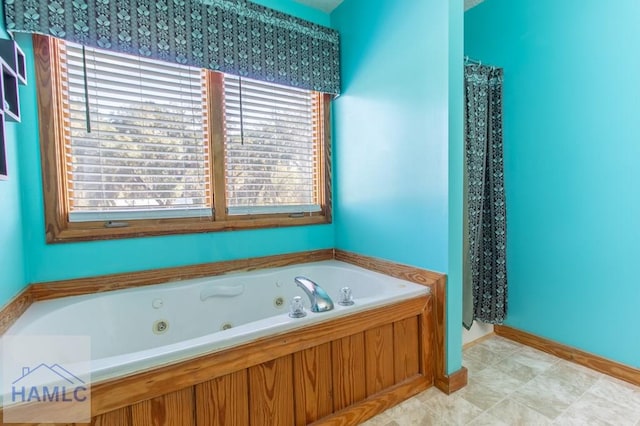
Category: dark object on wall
[3,157]
[13,66]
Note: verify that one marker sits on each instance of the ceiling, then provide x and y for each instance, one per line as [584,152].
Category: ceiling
[328,5]
[468,4]
[324,5]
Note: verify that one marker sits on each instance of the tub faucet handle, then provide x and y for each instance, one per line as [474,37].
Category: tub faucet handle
[346,297]
[296,308]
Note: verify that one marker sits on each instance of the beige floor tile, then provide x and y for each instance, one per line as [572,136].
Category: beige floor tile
[517,370]
[516,414]
[379,420]
[512,384]
[420,416]
[473,365]
[452,409]
[619,392]
[501,346]
[404,407]
[605,409]
[486,419]
[548,396]
[535,359]
[498,381]
[483,354]
[576,417]
[582,368]
[480,395]
[582,378]
[621,383]
[618,386]
[432,392]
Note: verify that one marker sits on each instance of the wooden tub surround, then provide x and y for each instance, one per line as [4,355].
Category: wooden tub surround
[343,371]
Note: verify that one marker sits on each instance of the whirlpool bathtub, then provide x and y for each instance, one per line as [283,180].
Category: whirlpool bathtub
[139,328]
[223,350]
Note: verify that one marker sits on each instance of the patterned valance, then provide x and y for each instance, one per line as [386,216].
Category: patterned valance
[234,36]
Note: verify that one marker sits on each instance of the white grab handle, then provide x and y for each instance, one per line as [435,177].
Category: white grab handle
[222,291]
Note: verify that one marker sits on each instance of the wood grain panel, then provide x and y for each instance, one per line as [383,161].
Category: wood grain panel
[312,384]
[45,424]
[406,349]
[436,281]
[216,128]
[14,308]
[378,343]
[52,155]
[112,394]
[90,285]
[2,422]
[32,413]
[223,401]
[92,231]
[349,384]
[120,417]
[452,382]
[428,348]
[595,362]
[326,172]
[439,324]
[172,409]
[369,407]
[397,270]
[270,393]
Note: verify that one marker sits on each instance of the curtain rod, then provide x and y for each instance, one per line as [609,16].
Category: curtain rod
[468,60]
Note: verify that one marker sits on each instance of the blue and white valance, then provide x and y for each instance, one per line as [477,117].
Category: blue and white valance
[234,36]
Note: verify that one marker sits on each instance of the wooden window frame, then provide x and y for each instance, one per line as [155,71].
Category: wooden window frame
[58,228]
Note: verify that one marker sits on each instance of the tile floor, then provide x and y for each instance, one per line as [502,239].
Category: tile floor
[512,384]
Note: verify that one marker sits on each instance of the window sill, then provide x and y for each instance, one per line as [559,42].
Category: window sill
[93,231]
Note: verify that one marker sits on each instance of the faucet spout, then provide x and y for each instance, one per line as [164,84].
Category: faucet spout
[320,300]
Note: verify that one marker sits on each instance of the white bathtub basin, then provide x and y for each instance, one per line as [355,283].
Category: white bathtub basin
[123,325]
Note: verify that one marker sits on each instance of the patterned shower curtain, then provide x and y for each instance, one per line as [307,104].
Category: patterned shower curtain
[485,272]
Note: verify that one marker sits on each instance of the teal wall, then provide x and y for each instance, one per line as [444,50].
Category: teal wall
[391,133]
[12,264]
[48,262]
[456,168]
[397,161]
[298,9]
[572,154]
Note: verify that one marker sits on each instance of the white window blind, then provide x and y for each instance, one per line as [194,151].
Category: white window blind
[271,153]
[146,154]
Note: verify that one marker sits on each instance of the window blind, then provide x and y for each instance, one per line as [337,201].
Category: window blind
[146,154]
[271,149]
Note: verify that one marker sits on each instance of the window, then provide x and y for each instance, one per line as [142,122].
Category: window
[135,139]
[271,159]
[133,147]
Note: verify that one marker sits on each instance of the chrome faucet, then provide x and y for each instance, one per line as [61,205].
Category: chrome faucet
[320,300]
